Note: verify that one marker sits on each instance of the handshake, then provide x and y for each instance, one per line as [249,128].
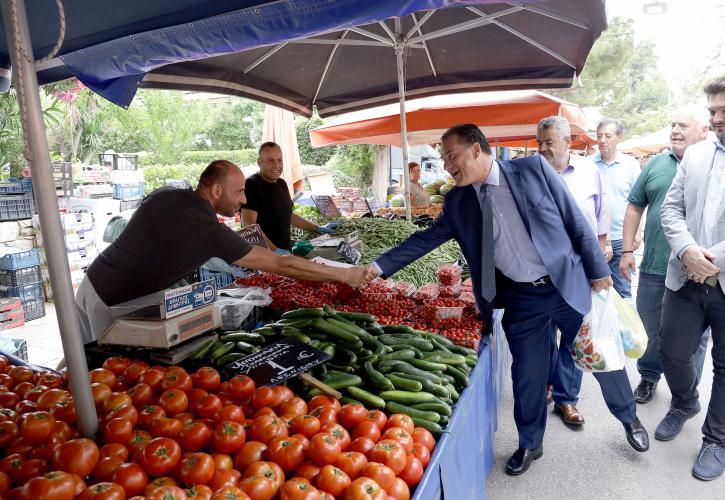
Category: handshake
[359,276]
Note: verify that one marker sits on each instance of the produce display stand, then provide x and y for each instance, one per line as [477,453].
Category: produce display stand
[463,456]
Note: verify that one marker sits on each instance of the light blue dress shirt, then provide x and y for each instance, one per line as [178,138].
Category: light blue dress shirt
[619,177]
[514,252]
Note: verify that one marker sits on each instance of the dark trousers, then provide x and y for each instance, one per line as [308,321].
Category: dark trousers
[650,293]
[685,314]
[564,376]
[531,313]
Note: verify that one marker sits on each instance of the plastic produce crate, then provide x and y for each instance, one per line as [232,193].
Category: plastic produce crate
[62,170]
[16,186]
[34,308]
[16,206]
[25,293]
[64,188]
[130,204]
[24,276]
[220,279]
[21,349]
[119,161]
[19,260]
[128,191]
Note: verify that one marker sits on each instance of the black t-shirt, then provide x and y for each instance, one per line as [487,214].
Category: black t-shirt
[273,204]
[172,232]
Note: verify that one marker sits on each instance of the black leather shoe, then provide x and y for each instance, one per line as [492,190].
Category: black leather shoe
[645,391]
[521,459]
[637,435]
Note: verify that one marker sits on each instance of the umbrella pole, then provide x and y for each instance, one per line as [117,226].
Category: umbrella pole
[403,126]
[26,86]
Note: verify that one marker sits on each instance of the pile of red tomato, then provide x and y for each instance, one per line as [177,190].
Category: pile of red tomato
[167,434]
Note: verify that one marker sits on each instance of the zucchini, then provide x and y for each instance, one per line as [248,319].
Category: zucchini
[471,361]
[349,327]
[220,350]
[407,368]
[428,365]
[459,349]
[398,329]
[375,330]
[426,384]
[376,378]
[333,331]
[405,384]
[267,331]
[401,354]
[394,407]
[354,345]
[252,338]
[445,357]
[408,397]
[246,348]
[295,334]
[368,399]
[419,343]
[433,427]
[356,316]
[340,368]
[461,377]
[229,358]
[340,380]
[448,378]
[310,312]
[442,409]
[398,347]
[442,339]
[204,349]
[464,368]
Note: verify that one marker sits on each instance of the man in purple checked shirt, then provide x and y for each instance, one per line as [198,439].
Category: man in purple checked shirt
[583,179]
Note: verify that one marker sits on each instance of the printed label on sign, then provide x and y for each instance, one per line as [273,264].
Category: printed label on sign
[326,206]
[253,234]
[348,253]
[278,362]
[187,298]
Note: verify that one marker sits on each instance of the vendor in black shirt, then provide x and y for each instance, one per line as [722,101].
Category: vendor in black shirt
[269,203]
[173,232]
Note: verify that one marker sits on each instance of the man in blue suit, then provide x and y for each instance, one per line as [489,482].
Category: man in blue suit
[531,252]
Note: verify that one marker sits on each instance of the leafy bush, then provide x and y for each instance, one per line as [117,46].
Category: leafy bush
[240,157]
[355,162]
[155,176]
[308,154]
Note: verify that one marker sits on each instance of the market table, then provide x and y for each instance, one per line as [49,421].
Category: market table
[463,456]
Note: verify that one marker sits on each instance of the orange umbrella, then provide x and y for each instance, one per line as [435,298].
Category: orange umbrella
[503,117]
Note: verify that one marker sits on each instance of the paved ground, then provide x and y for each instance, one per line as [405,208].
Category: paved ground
[42,337]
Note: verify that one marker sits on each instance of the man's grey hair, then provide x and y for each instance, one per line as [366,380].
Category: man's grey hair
[618,126]
[557,122]
[697,113]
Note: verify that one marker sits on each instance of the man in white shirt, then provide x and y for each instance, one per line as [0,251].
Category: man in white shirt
[619,172]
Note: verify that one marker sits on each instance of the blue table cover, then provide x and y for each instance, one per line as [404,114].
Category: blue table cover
[463,456]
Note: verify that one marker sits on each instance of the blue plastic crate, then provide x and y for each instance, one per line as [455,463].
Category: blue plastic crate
[128,191]
[16,206]
[16,186]
[31,291]
[22,276]
[19,260]
[221,279]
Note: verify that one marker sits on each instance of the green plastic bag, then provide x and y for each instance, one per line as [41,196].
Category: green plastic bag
[634,336]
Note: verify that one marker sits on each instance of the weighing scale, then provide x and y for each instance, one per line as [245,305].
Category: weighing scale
[325,246]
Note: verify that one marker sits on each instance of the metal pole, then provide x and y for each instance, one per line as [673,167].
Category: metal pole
[26,87]
[399,47]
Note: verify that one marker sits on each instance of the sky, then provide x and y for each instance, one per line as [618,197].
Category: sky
[686,34]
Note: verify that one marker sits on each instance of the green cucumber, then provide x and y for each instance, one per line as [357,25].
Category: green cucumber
[344,357]
[427,384]
[356,316]
[375,330]
[471,361]
[405,384]
[401,354]
[221,350]
[252,338]
[398,329]
[225,359]
[376,378]
[398,347]
[368,399]
[340,380]
[333,331]
[246,347]
[352,345]
[408,397]
[445,357]
[349,327]
[433,427]
[394,407]
[345,400]
[439,338]
[204,349]
[340,368]
[295,334]
[405,367]
[448,378]
[310,312]
[267,331]
[459,349]
[440,408]
[428,365]
[419,343]
[460,376]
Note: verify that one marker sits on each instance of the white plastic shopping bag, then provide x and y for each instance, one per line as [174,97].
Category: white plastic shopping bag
[598,344]
[634,336]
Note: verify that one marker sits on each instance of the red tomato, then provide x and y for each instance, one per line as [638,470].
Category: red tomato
[199,492]
[264,411]
[323,400]
[352,414]
[147,414]
[362,444]
[379,418]
[230,493]
[103,491]
[302,439]
[399,490]
[287,452]
[174,401]
[206,378]
[368,429]
[228,437]
[195,396]
[117,400]
[77,456]
[23,388]
[167,493]
[324,449]
[224,478]
[364,488]
[103,376]
[282,394]
[241,387]
[207,406]
[424,437]
[298,488]
[194,436]
[333,480]
[269,470]
[138,440]
[153,378]
[8,414]
[105,468]
[267,427]
[141,394]
[62,431]
[308,471]
[352,463]
[57,485]
[176,378]
[421,453]
[65,411]
[30,469]
[20,374]
[412,472]
[128,412]
[232,413]
[293,408]
[51,398]
[401,436]
[325,414]
[46,449]
[401,420]
[186,418]
[26,406]
[252,451]
[381,474]
[159,482]
[113,450]
[117,430]
[49,380]
[160,456]
[339,433]
[166,427]
[116,364]
[101,393]
[8,399]
[198,468]
[263,397]
[390,453]
[305,424]
[9,432]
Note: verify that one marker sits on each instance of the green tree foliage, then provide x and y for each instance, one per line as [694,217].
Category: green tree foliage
[355,162]
[308,154]
[237,125]
[621,80]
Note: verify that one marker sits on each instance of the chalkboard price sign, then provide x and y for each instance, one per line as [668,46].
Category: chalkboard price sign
[348,253]
[254,235]
[326,206]
[278,362]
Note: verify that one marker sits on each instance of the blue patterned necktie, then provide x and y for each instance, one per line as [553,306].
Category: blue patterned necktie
[488,269]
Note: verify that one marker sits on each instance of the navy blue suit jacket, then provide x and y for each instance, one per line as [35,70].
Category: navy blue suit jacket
[562,236]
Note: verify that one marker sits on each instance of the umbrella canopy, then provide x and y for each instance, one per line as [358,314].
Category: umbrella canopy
[279,127]
[505,117]
[649,144]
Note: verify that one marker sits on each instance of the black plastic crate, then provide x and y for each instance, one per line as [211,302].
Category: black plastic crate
[25,276]
[21,349]
[34,308]
[31,291]
[129,204]
[16,206]
[119,161]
